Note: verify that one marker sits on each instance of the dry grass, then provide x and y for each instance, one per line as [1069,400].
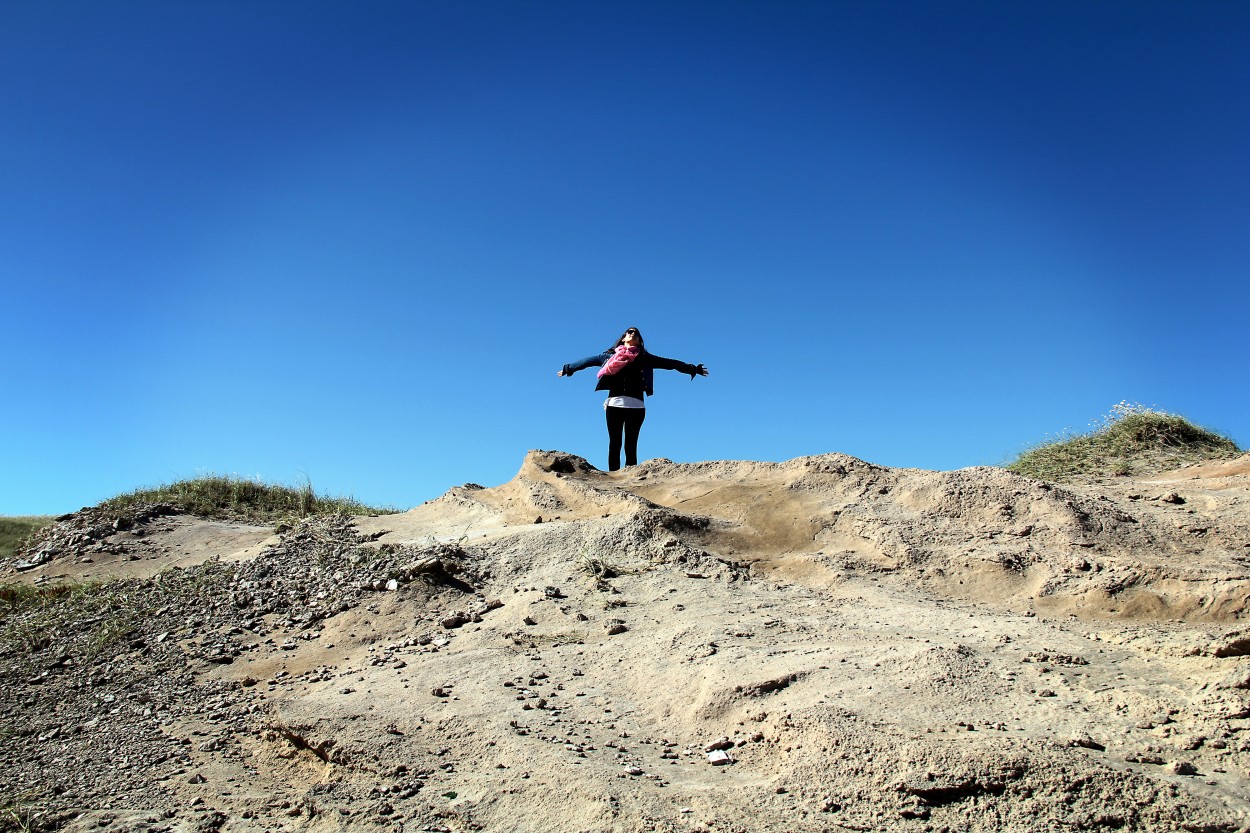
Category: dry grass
[14,530]
[1131,440]
[235,498]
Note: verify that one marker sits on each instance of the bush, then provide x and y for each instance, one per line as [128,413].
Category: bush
[1131,439]
[235,498]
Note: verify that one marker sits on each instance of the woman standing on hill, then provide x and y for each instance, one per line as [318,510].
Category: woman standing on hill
[625,372]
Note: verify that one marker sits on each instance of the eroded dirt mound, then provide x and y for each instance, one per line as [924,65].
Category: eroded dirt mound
[1213,473]
[134,541]
[821,644]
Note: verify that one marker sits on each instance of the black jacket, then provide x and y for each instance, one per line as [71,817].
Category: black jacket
[636,378]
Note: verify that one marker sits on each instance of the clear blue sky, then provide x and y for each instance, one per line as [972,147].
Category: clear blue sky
[354,242]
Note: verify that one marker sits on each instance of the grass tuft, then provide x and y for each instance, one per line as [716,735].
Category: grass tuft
[16,529]
[17,815]
[90,620]
[1130,440]
[17,596]
[37,617]
[236,498]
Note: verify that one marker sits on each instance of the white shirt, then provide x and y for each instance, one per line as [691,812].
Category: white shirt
[624,402]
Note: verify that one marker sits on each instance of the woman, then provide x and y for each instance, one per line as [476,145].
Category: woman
[625,372]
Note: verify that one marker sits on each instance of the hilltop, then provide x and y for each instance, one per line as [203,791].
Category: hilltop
[820,644]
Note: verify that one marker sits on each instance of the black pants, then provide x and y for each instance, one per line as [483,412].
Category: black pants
[627,421]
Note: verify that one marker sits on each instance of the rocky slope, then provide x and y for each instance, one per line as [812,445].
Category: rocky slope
[816,645]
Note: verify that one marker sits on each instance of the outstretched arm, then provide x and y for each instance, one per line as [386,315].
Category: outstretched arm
[672,364]
[582,364]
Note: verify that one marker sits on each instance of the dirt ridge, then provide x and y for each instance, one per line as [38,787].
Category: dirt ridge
[820,644]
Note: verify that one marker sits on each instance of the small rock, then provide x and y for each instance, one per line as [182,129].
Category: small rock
[1084,741]
[1182,768]
[455,620]
[719,757]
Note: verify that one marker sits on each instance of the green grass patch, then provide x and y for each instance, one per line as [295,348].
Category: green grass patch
[236,498]
[17,814]
[17,528]
[1131,440]
[15,597]
[36,617]
[85,620]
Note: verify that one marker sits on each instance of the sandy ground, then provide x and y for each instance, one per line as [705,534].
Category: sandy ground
[869,648]
[170,541]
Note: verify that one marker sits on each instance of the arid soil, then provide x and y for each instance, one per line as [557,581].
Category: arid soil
[816,645]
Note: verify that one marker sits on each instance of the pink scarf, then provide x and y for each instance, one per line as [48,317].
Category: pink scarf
[623,356]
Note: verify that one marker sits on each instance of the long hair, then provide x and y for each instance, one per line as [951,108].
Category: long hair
[621,340]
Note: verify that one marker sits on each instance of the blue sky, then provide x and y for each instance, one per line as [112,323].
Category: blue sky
[354,242]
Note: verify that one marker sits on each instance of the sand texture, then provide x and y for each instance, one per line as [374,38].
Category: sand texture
[816,645]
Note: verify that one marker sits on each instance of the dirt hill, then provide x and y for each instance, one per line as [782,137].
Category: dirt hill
[816,645]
